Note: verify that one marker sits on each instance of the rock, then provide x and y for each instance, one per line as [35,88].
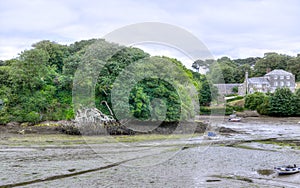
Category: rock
[25,124]
[226,130]
[248,113]
[214,180]
[14,123]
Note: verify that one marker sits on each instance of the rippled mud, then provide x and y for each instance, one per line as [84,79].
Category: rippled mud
[244,157]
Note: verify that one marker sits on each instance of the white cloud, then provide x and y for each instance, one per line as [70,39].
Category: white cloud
[234,28]
[35,15]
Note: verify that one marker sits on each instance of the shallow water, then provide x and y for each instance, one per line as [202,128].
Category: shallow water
[189,162]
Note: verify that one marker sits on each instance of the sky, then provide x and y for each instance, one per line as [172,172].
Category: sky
[236,28]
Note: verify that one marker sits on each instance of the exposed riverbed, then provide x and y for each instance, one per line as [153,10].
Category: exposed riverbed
[230,160]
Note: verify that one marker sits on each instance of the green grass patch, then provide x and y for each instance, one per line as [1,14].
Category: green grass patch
[216,110]
[149,137]
[72,140]
[282,144]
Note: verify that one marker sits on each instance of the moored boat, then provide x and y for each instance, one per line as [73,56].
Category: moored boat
[236,119]
[286,170]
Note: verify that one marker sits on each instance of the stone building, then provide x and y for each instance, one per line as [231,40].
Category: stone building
[268,83]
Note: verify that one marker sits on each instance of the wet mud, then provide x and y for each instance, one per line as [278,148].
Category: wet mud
[242,157]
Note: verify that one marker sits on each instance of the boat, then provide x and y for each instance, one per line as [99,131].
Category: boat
[211,136]
[287,170]
[235,119]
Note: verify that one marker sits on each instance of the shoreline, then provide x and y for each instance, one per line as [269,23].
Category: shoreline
[56,127]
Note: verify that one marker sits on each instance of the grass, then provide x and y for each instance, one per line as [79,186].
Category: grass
[69,140]
[282,144]
[140,138]
[240,102]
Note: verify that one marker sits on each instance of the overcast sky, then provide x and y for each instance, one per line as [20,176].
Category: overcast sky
[236,28]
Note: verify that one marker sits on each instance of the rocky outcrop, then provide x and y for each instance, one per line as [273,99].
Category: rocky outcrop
[248,113]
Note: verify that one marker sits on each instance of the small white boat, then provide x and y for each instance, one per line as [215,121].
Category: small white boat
[286,170]
[235,119]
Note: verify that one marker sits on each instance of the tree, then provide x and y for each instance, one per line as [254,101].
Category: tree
[28,72]
[207,92]
[56,52]
[281,103]
[269,62]
[296,102]
[252,101]
[293,65]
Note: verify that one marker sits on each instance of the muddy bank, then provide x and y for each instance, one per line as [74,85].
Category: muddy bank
[134,128]
[113,161]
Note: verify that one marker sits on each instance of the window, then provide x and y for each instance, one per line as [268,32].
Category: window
[281,77]
[288,84]
[288,77]
[275,84]
[281,83]
[275,77]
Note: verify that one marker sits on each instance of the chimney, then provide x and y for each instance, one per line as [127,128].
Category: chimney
[246,83]
[268,70]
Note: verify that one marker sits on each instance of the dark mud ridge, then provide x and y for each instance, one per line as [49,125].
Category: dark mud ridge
[136,127]
[115,128]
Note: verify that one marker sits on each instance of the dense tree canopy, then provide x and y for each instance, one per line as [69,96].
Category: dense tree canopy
[280,103]
[39,84]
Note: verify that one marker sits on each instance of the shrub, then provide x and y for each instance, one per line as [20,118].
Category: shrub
[263,108]
[216,110]
[282,103]
[32,117]
[252,101]
[70,114]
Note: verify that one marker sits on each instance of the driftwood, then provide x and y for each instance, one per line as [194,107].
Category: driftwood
[92,115]
[91,121]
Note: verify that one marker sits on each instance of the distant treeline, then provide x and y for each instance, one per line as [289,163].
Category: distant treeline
[233,70]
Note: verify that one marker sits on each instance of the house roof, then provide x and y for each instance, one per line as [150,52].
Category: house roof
[258,80]
[278,72]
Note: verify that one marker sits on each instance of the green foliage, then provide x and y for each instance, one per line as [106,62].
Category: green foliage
[56,52]
[226,70]
[38,84]
[238,108]
[235,89]
[155,99]
[296,103]
[281,103]
[270,62]
[293,66]
[207,92]
[263,108]
[32,117]
[216,110]
[252,101]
